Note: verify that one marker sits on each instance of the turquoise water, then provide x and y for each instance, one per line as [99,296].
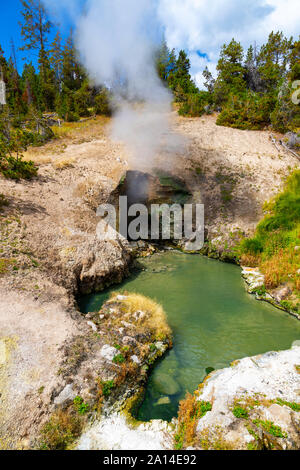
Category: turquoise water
[214,322]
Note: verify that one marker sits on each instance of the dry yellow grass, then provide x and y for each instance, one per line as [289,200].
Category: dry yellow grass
[155,318]
[81,131]
[64,163]
[282,267]
[69,133]
[252,261]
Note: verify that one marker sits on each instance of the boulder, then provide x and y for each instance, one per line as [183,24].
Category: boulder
[163,401]
[135,359]
[281,293]
[66,396]
[108,352]
[165,384]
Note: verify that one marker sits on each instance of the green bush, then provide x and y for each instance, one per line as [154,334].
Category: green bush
[270,427]
[252,246]
[240,412]
[293,405]
[80,406]
[60,431]
[194,104]
[17,169]
[107,387]
[119,359]
[278,229]
[248,111]
[276,237]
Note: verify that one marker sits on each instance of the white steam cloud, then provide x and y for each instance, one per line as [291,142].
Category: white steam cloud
[117,41]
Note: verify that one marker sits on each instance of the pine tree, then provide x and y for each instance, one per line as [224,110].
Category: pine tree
[162,61]
[252,75]
[47,83]
[31,85]
[180,80]
[36,26]
[56,57]
[273,61]
[209,80]
[231,72]
[73,74]
[294,60]
[35,31]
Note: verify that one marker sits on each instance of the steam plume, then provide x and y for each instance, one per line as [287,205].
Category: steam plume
[117,41]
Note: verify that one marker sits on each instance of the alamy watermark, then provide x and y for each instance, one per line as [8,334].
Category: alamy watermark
[157,222]
[296,94]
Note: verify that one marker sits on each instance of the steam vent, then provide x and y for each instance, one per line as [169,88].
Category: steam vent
[160,187]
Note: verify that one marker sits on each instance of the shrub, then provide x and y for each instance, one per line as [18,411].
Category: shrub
[252,246]
[190,411]
[60,431]
[119,359]
[194,105]
[248,111]
[12,143]
[293,405]
[270,427]
[240,412]
[81,407]
[107,387]
[17,169]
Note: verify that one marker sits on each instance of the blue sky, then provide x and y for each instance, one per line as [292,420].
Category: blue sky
[9,28]
[199,26]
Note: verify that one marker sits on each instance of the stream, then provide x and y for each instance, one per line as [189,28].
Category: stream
[213,319]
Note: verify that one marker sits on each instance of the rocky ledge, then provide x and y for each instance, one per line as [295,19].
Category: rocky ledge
[105,369]
[254,404]
[255,282]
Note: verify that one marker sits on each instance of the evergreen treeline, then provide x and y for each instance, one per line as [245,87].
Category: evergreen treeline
[251,91]
[60,84]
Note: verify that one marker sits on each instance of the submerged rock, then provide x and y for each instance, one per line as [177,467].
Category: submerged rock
[165,384]
[163,401]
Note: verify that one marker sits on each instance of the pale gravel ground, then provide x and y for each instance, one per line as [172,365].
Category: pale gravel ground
[248,156]
[114,433]
[31,334]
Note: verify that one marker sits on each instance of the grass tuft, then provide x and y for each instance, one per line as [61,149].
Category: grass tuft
[155,317]
[190,411]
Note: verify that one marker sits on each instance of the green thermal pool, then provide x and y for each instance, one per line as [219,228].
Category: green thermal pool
[213,319]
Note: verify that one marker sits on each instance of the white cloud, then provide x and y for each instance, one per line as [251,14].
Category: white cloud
[205,25]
